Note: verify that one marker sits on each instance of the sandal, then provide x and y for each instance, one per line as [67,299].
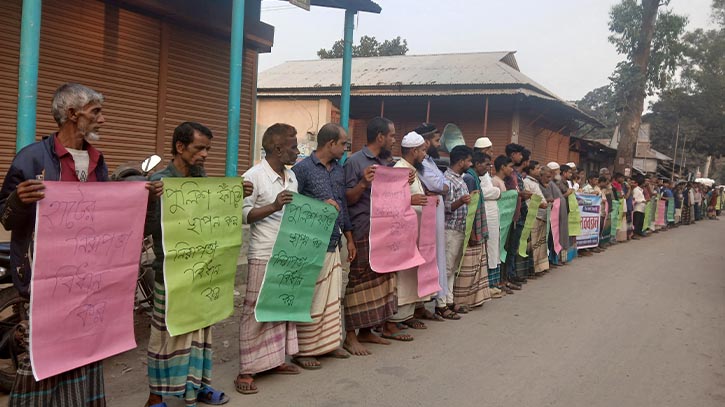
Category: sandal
[245,387]
[513,286]
[427,315]
[307,363]
[415,324]
[162,404]
[338,353]
[447,313]
[284,369]
[506,289]
[460,309]
[208,395]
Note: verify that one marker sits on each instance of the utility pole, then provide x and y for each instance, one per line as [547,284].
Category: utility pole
[674,155]
[682,162]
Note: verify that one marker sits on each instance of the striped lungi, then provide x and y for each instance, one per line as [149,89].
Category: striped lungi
[78,387]
[177,365]
[539,246]
[370,297]
[324,334]
[262,345]
[471,286]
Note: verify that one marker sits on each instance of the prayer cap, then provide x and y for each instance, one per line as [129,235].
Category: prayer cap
[412,140]
[571,164]
[483,142]
[425,128]
[553,165]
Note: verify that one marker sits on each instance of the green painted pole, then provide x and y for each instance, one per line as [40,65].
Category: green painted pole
[347,70]
[28,73]
[235,88]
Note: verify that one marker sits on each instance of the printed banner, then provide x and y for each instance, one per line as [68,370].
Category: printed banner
[661,212]
[470,219]
[201,224]
[554,222]
[297,259]
[428,271]
[670,210]
[590,207]
[393,222]
[534,203]
[85,265]
[575,216]
[506,208]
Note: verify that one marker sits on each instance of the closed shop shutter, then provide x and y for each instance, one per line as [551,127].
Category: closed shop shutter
[10,11]
[197,90]
[115,52]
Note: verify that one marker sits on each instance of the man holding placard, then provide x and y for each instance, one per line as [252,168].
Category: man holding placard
[68,156]
[369,297]
[180,365]
[263,346]
[320,176]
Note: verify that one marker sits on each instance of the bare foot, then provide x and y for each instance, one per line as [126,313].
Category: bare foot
[153,400]
[367,336]
[353,346]
[390,329]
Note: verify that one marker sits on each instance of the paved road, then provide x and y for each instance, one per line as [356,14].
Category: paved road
[642,325]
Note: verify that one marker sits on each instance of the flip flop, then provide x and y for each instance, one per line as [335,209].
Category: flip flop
[430,316]
[162,404]
[208,395]
[245,387]
[284,369]
[301,363]
[398,336]
[415,324]
[338,353]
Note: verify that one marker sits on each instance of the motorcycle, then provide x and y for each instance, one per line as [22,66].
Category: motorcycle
[145,282]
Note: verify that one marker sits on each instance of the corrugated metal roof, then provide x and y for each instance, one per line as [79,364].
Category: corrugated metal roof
[480,68]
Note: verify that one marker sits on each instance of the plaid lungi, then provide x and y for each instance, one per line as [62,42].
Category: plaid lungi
[494,276]
[78,387]
[369,297]
[179,365]
[324,334]
[471,286]
[262,345]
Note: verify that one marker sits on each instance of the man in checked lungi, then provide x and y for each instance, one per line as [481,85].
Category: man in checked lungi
[370,298]
[321,176]
[263,346]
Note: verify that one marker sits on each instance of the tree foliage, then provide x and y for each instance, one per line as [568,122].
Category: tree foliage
[368,47]
[601,104]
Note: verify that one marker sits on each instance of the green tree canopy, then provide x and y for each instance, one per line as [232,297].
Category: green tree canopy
[368,47]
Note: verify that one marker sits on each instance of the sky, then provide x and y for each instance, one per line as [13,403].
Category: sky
[562,44]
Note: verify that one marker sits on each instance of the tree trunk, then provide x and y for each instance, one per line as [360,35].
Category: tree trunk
[632,114]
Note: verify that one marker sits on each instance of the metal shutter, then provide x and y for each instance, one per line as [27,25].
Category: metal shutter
[10,11]
[114,51]
[197,90]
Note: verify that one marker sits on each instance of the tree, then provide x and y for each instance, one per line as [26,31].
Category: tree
[368,47]
[650,39]
[602,105]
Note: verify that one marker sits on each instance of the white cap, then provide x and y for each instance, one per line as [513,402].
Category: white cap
[553,165]
[412,140]
[483,142]
[571,164]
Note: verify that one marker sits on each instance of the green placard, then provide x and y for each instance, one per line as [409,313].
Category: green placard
[670,209]
[506,207]
[616,208]
[297,259]
[647,215]
[534,203]
[201,221]
[575,216]
[470,219]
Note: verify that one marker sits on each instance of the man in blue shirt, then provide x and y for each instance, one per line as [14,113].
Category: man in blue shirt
[320,176]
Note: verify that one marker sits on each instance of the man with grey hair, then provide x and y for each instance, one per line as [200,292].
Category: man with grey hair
[63,156]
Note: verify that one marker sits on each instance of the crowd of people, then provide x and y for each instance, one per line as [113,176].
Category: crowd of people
[352,311]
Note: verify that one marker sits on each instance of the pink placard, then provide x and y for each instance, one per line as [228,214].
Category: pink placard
[661,210]
[85,265]
[393,222]
[554,224]
[428,271]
